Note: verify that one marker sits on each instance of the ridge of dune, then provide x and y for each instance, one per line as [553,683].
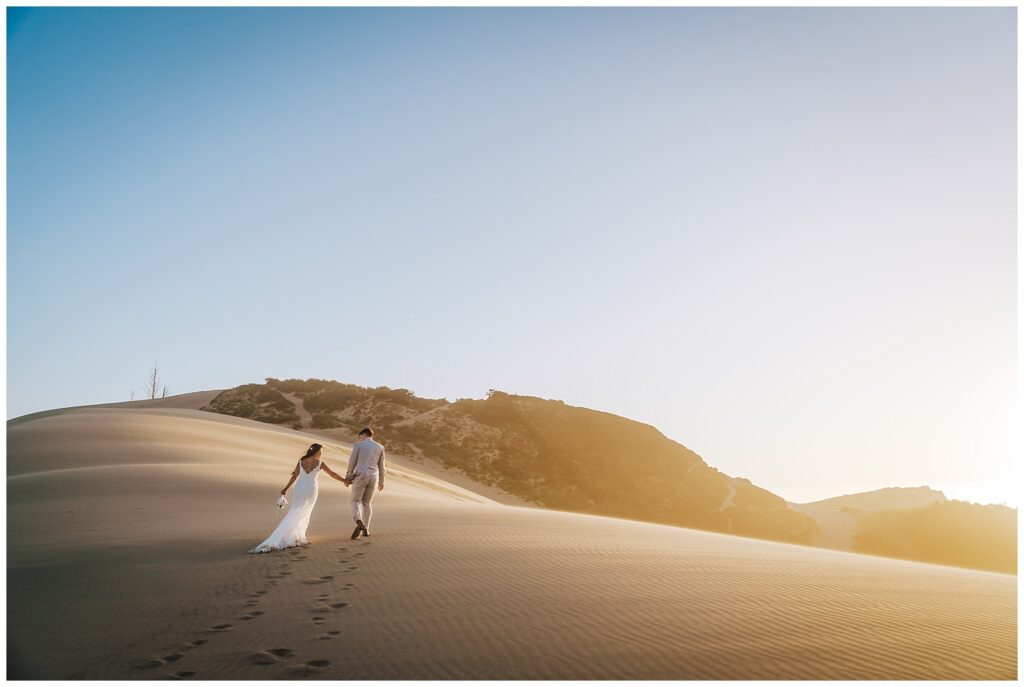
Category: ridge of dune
[192,400]
[127,529]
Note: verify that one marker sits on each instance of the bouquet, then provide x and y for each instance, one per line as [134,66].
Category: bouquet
[281,502]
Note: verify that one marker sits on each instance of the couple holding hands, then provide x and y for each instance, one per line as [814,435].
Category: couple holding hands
[364,476]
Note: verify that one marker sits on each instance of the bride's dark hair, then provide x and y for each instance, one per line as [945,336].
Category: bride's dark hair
[313,448]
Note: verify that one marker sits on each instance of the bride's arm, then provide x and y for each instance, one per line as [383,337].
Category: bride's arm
[332,473]
[295,473]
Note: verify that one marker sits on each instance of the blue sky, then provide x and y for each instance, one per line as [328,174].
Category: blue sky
[785,237]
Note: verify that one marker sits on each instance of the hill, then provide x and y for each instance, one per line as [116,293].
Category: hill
[881,499]
[547,452]
[969,535]
[918,523]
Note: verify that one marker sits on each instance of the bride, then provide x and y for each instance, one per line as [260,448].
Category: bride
[292,530]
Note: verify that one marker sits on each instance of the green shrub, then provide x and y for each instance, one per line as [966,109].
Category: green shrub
[325,421]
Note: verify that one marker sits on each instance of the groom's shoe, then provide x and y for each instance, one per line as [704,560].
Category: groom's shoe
[360,527]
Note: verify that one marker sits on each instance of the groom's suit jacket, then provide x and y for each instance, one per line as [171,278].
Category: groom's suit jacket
[367,459]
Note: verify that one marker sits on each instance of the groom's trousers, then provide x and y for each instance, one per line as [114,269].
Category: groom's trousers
[363,487]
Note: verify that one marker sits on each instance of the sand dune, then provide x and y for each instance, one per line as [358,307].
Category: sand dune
[127,529]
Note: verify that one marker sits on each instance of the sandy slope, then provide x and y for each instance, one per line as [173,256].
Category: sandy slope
[126,536]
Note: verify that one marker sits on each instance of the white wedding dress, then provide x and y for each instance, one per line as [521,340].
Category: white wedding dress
[292,529]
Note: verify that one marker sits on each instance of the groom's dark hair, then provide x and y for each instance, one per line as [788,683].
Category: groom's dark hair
[366,431]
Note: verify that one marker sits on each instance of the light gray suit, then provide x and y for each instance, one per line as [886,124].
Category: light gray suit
[366,470]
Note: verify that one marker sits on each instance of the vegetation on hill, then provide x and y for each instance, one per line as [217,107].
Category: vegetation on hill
[957,533]
[552,454]
[256,402]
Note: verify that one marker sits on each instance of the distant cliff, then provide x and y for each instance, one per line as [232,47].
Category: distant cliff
[879,499]
[921,524]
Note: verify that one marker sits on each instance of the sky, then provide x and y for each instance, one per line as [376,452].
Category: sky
[784,237]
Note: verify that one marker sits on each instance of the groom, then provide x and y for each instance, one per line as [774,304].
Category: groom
[365,470]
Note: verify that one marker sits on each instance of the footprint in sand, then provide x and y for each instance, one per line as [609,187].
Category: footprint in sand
[262,658]
[261,592]
[223,627]
[182,675]
[315,666]
[252,602]
[196,642]
[271,656]
[319,580]
[334,632]
[317,619]
[157,662]
[340,604]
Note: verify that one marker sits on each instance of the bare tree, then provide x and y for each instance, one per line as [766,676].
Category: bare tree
[153,387]
[153,383]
